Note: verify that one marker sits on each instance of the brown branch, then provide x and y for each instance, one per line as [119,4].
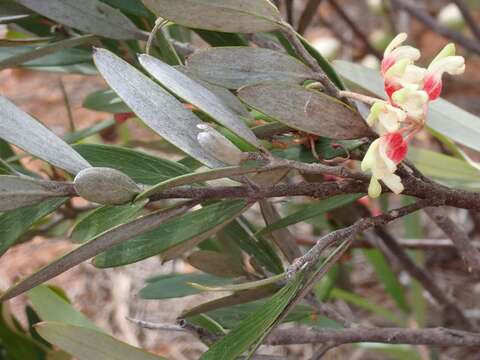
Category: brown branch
[308,15]
[467,251]
[467,15]
[434,25]
[452,311]
[432,336]
[356,30]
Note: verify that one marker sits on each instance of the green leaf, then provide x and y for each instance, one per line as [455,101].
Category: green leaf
[154,105]
[241,231]
[177,285]
[446,169]
[87,344]
[101,243]
[141,167]
[20,192]
[14,223]
[252,329]
[50,306]
[444,117]
[394,352]
[164,49]
[103,219]
[199,96]
[306,110]
[88,131]
[14,344]
[216,38]
[28,134]
[90,16]
[130,7]
[311,210]
[246,16]
[106,101]
[234,67]
[42,51]
[197,225]
[388,278]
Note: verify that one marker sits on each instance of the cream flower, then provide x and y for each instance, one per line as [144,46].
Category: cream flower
[381,159]
[412,100]
[385,118]
[396,52]
[445,62]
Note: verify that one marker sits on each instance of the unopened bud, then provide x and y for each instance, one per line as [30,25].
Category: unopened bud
[105,186]
[218,146]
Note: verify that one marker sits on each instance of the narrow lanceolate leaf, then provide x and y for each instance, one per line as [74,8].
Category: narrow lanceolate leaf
[246,16]
[234,67]
[50,306]
[306,110]
[188,179]
[90,16]
[99,244]
[42,51]
[141,167]
[309,211]
[103,219]
[225,95]
[14,223]
[172,237]
[154,105]
[213,262]
[87,344]
[251,330]
[28,134]
[443,116]
[196,94]
[19,192]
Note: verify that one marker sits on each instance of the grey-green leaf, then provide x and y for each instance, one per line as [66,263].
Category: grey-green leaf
[196,225]
[246,16]
[19,192]
[234,67]
[213,262]
[14,223]
[443,116]
[90,16]
[306,110]
[87,344]
[224,94]
[154,105]
[28,134]
[97,245]
[196,94]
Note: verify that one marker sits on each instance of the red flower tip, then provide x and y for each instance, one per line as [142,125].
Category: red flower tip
[397,147]
[433,86]
[120,118]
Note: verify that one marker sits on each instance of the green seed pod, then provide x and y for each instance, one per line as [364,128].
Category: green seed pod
[105,186]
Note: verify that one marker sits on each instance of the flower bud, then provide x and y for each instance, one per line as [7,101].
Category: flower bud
[218,145]
[451,17]
[105,186]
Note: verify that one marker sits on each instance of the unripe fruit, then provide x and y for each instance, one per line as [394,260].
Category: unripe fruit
[105,186]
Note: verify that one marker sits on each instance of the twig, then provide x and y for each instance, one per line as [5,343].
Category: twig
[308,15]
[452,311]
[467,15]
[431,23]
[330,87]
[467,251]
[438,336]
[360,97]
[356,30]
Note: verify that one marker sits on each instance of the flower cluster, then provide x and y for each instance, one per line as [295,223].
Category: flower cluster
[409,89]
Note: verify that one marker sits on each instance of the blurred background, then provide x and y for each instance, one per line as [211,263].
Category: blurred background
[355,30]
